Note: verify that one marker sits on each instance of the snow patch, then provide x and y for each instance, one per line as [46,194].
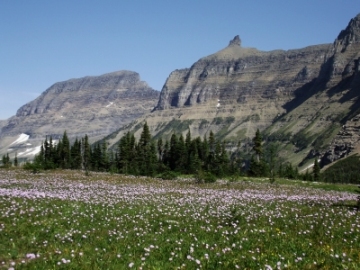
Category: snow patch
[111,103]
[54,142]
[22,138]
[30,151]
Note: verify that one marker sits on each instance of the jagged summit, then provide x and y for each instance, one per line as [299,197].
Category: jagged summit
[233,51]
[352,32]
[236,41]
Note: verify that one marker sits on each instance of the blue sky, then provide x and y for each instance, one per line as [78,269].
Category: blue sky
[47,41]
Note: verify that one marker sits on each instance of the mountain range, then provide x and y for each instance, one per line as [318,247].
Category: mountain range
[306,100]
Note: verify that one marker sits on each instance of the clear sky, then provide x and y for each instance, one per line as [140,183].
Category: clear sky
[47,41]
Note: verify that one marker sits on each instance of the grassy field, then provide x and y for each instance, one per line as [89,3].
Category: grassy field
[69,220]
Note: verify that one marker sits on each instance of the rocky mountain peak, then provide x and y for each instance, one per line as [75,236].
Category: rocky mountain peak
[351,34]
[342,59]
[92,105]
[236,41]
[88,90]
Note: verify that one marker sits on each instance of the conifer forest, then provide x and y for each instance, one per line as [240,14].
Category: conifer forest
[205,158]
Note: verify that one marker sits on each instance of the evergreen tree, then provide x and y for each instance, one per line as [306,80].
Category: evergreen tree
[46,150]
[145,136]
[212,142]
[57,154]
[96,158]
[86,153]
[121,154]
[271,157]
[188,142]
[358,199]
[132,155]
[112,162]
[152,160]
[258,166]
[51,153]
[281,171]
[6,161]
[104,161]
[190,154]
[64,152]
[166,155]
[16,160]
[39,158]
[76,159]
[316,170]
[173,152]
[194,162]
[48,159]
[146,153]
[127,155]
[210,159]
[181,154]
[289,171]
[224,159]
[54,153]
[160,149]
[257,145]
[203,150]
[236,160]
[307,176]
[215,164]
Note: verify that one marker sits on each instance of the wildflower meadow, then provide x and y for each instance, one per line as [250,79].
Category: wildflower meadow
[72,220]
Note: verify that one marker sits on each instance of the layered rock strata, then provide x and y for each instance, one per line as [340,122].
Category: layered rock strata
[300,98]
[95,106]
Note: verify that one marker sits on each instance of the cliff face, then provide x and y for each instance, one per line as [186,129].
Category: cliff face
[299,98]
[343,83]
[94,105]
[248,87]
[237,75]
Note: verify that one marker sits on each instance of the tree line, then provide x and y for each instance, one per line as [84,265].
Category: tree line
[204,157]
[7,162]
[79,155]
[137,157]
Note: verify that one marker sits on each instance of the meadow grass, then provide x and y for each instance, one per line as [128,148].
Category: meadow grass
[352,188]
[69,220]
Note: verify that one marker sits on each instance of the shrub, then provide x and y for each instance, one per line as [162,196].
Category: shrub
[34,167]
[205,177]
[168,175]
